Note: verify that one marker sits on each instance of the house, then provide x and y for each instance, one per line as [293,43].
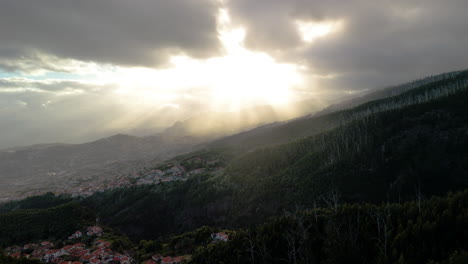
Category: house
[166,260]
[94,231]
[13,249]
[81,253]
[16,255]
[79,245]
[99,253]
[37,253]
[102,244]
[46,244]
[51,255]
[75,235]
[86,258]
[156,257]
[29,246]
[149,262]
[95,261]
[221,236]
[125,260]
[177,260]
[68,248]
[53,252]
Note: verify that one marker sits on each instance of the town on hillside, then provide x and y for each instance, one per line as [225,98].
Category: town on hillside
[98,251]
[167,172]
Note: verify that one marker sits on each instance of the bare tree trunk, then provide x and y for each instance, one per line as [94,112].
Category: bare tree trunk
[332,199]
[418,195]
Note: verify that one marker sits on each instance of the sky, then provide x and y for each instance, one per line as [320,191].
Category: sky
[77,70]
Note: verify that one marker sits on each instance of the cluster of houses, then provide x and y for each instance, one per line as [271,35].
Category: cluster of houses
[98,253]
[99,184]
[174,172]
[94,231]
[89,186]
[75,235]
[90,231]
[29,250]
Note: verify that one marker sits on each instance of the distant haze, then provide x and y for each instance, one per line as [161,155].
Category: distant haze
[74,71]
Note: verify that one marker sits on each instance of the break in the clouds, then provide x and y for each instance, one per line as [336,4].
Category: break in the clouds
[75,70]
[374,43]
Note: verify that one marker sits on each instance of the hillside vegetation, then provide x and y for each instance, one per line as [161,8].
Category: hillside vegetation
[407,147]
[431,232]
[54,223]
[382,182]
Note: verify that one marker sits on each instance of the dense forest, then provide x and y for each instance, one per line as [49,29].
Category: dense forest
[431,232]
[382,182]
[26,225]
[428,231]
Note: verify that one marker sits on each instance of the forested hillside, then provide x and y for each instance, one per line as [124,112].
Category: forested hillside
[54,223]
[431,232]
[387,99]
[383,182]
[407,147]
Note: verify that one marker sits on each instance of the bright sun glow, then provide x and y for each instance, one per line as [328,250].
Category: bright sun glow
[310,31]
[239,79]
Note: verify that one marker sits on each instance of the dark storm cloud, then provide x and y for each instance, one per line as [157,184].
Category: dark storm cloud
[382,42]
[137,32]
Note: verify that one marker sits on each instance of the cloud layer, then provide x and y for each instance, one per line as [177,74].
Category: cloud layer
[382,42]
[377,43]
[138,32]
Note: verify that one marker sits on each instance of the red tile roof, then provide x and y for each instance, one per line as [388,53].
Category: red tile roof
[87,257]
[166,260]
[178,259]
[67,248]
[79,245]
[52,251]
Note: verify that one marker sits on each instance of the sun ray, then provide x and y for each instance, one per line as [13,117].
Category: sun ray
[239,79]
